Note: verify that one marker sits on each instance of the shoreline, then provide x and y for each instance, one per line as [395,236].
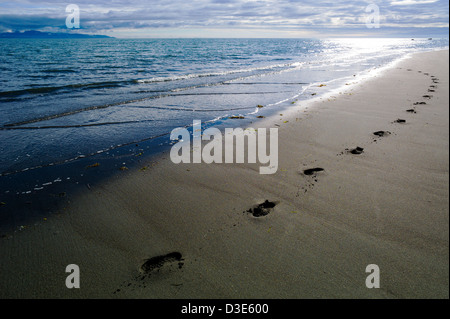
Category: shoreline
[43,189]
[387,206]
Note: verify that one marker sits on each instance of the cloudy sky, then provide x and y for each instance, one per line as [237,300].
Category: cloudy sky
[233,18]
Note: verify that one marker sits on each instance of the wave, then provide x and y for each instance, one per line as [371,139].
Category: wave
[58,115]
[59,71]
[215,93]
[53,89]
[33,91]
[264,83]
[113,147]
[17,127]
[72,126]
[193,110]
[96,107]
[211,74]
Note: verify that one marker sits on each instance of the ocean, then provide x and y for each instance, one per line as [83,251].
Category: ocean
[68,104]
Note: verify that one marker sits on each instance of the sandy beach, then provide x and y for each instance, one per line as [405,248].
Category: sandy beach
[385,205]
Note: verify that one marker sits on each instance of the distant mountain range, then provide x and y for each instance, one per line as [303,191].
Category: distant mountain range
[48,35]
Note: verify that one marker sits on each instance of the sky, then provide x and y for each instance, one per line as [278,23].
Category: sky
[233,18]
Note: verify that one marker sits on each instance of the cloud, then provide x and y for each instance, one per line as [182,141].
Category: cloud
[316,16]
[412,2]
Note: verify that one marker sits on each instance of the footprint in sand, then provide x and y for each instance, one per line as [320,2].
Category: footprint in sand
[419,103]
[311,171]
[428,96]
[155,263]
[401,121]
[355,151]
[411,111]
[262,209]
[151,267]
[381,133]
[310,182]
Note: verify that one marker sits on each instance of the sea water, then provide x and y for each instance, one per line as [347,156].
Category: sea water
[66,104]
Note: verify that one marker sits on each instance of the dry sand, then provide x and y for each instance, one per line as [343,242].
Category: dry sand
[387,206]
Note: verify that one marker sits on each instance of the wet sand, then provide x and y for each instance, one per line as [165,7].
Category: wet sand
[342,198]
